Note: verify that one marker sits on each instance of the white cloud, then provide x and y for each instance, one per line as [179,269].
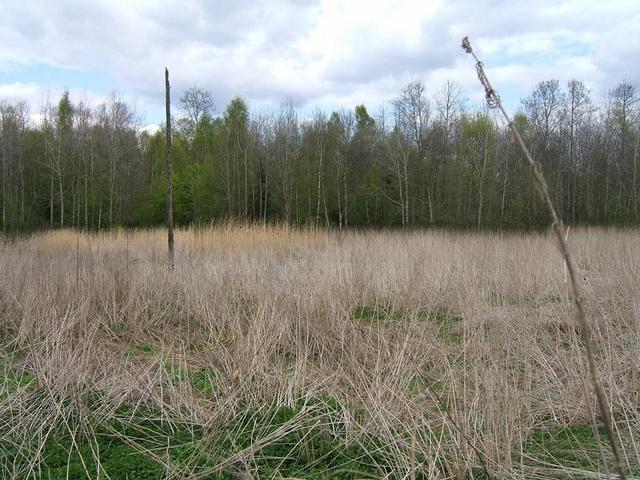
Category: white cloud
[39,96]
[22,91]
[324,53]
[150,129]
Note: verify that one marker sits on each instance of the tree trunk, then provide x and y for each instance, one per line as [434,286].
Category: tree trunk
[320,159]
[338,196]
[246,185]
[406,192]
[51,202]
[61,200]
[86,199]
[346,196]
[481,185]
[21,195]
[401,195]
[229,193]
[430,205]
[635,178]
[112,185]
[4,188]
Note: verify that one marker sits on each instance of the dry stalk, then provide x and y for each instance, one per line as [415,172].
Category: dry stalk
[493,100]
[245,302]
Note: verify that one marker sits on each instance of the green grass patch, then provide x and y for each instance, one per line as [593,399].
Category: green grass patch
[139,349]
[376,313]
[179,373]
[306,440]
[446,323]
[448,326]
[12,380]
[206,381]
[574,447]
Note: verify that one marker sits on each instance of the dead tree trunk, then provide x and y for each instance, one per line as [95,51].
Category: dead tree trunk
[170,240]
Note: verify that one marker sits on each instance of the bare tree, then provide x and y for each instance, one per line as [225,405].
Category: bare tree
[63,138]
[120,119]
[449,106]
[395,152]
[260,135]
[319,132]
[341,130]
[286,144]
[624,118]
[577,110]
[412,111]
[13,125]
[544,108]
[83,118]
[5,112]
[196,104]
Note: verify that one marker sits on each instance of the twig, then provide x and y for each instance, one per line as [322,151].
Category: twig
[493,100]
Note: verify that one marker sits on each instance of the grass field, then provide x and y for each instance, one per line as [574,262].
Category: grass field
[278,353]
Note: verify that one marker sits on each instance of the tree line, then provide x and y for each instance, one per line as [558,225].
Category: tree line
[419,161]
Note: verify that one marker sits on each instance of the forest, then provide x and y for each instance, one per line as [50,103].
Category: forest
[424,159]
[309,326]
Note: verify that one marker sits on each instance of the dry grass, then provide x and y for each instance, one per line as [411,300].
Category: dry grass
[443,350]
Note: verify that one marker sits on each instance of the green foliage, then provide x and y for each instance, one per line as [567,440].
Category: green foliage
[309,439]
[94,169]
[64,115]
[364,122]
[375,313]
[205,381]
[139,348]
[448,326]
[292,441]
[571,447]
[115,458]
[178,372]
[11,380]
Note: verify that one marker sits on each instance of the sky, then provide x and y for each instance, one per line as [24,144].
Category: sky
[322,54]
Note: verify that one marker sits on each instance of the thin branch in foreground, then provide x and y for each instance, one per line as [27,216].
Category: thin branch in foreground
[493,100]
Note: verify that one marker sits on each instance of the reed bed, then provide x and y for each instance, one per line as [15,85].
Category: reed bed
[273,352]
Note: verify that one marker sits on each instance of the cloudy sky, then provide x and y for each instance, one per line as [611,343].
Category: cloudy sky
[322,54]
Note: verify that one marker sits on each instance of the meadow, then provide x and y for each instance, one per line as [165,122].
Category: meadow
[274,352]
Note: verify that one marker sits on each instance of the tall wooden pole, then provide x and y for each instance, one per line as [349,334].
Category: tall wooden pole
[169,174]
